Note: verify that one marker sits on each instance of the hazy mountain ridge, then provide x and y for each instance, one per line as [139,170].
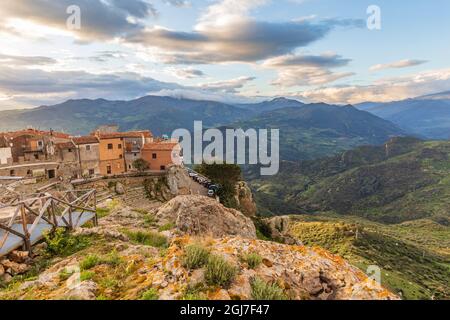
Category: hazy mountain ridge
[428,116]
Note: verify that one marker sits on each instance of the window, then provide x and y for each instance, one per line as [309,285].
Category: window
[12,173]
[108,170]
[135,154]
[120,156]
[129,166]
[163,168]
[119,146]
[110,146]
[91,172]
[69,150]
[88,148]
[154,156]
[29,173]
[40,144]
[36,156]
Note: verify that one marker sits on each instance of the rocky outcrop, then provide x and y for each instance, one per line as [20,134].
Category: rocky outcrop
[301,273]
[157,189]
[279,228]
[199,215]
[244,199]
[178,181]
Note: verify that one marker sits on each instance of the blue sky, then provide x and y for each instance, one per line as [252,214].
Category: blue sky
[226,50]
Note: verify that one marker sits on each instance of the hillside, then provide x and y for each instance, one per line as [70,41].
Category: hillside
[317,130]
[414,256]
[165,252]
[406,179]
[428,116]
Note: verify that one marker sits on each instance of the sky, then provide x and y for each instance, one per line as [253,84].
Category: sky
[223,50]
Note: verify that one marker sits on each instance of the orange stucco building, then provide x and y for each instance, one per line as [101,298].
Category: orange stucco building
[161,154]
[111,153]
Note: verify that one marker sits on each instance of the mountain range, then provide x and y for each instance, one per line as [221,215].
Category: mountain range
[427,116]
[307,130]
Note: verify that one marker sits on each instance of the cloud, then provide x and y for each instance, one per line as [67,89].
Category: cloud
[178,3]
[239,41]
[397,65]
[226,32]
[187,73]
[308,77]
[227,86]
[384,90]
[307,70]
[37,86]
[328,60]
[100,19]
[196,94]
[23,87]
[12,60]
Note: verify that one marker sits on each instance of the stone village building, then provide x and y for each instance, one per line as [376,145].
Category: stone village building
[49,154]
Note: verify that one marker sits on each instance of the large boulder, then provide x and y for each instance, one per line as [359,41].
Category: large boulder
[178,181]
[244,199]
[200,215]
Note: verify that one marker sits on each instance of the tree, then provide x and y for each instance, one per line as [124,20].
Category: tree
[141,165]
[226,175]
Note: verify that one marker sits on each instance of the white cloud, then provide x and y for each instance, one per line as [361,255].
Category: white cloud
[397,65]
[384,90]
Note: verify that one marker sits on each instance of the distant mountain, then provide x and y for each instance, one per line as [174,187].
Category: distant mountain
[278,103]
[317,130]
[162,115]
[308,131]
[428,116]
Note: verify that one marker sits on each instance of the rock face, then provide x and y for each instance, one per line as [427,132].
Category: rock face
[301,273]
[199,215]
[175,183]
[178,181]
[244,199]
[279,229]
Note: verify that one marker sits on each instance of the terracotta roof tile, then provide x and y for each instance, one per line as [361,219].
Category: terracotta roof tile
[129,134]
[160,146]
[85,140]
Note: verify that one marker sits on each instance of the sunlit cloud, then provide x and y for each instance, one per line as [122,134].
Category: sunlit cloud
[397,65]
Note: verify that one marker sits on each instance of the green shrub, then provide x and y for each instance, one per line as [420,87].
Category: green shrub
[141,165]
[253,260]
[195,256]
[64,275]
[103,212]
[219,272]
[113,259]
[89,262]
[86,275]
[166,227]
[150,294]
[61,243]
[262,290]
[148,238]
